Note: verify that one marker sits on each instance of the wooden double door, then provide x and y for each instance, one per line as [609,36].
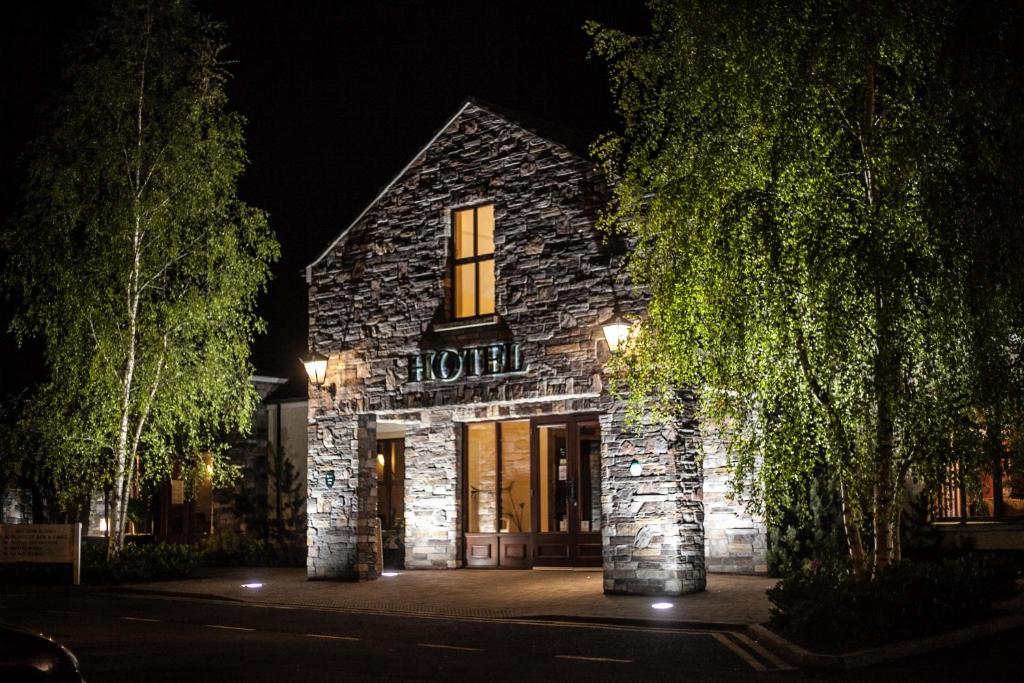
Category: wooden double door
[533,493]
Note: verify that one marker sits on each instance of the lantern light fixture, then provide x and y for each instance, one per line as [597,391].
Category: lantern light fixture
[316,369]
[616,331]
[635,468]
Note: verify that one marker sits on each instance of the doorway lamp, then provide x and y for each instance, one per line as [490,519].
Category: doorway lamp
[316,368]
[616,330]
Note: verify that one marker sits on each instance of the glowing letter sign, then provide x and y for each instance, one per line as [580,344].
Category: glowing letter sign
[449,365]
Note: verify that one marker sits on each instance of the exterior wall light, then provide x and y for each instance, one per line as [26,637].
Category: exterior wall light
[635,468]
[616,330]
[316,369]
[615,333]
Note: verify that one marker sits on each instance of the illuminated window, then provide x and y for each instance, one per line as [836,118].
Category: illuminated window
[995,492]
[473,291]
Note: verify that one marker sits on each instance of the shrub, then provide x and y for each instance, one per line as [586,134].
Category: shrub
[833,609]
[810,526]
[226,549]
[158,562]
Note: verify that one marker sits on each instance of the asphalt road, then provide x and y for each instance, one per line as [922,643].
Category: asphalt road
[123,637]
[138,638]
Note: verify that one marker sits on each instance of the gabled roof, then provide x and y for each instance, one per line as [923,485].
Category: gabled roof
[558,135]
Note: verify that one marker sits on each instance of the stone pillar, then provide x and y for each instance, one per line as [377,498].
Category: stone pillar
[652,533]
[332,507]
[433,526]
[367,550]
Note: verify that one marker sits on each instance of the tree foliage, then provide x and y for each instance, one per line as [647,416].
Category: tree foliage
[136,262]
[824,198]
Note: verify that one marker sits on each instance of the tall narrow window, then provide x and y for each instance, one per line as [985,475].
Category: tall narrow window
[473,290]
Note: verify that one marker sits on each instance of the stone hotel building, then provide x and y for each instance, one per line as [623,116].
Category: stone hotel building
[465,406]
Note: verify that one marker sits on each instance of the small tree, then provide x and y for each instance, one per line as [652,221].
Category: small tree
[825,201]
[137,265]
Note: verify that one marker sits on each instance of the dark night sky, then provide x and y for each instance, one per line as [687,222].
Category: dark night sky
[339,96]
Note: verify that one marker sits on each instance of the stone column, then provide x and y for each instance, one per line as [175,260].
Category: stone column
[652,533]
[433,526]
[332,470]
[366,494]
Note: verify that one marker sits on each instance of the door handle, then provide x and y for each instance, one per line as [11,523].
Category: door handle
[572,490]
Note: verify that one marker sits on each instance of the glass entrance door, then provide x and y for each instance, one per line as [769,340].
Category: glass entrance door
[567,503]
[532,493]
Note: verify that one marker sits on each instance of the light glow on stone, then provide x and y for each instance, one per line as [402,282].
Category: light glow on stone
[662,605]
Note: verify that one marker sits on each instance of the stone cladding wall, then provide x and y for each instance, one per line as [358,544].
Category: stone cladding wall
[16,506]
[433,525]
[332,510]
[653,533]
[379,294]
[734,540]
[367,550]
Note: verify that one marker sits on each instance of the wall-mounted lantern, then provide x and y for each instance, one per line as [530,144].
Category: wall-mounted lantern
[616,331]
[635,468]
[316,369]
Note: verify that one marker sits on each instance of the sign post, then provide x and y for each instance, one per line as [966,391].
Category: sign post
[43,544]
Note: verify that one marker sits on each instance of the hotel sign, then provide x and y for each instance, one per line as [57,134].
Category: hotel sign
[450,365]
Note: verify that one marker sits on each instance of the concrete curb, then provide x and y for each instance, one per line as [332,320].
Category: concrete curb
[799,656]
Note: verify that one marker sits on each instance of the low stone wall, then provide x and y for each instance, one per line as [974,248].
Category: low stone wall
[734,540]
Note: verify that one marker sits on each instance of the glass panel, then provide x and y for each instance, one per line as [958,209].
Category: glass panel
[515,476]
[481,472]
[383,499]
[554,476]
[485,230]
[463,230]
[590,477]
[465,290]
[396,496]
[486,287]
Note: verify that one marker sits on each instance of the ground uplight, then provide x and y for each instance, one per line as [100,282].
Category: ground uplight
[662,605]
[252,585]
[389,573]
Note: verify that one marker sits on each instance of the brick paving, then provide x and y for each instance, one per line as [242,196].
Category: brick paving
[729,599]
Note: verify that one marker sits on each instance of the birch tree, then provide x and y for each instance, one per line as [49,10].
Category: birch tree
[137,264]
[824,197]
